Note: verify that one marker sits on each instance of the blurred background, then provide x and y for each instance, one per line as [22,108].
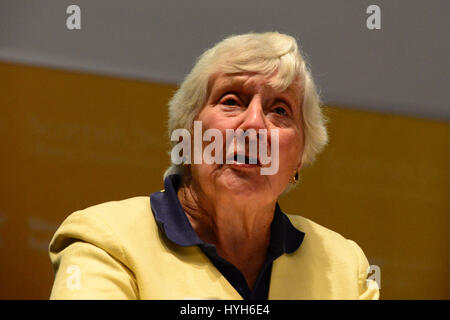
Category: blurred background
[83,112]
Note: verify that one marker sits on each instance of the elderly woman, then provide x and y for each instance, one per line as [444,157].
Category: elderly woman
[216,231]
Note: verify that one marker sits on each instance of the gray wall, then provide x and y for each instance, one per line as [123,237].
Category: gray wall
[402,68]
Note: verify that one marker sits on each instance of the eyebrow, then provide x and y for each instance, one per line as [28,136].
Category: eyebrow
[238,79]
[234,80]
[224,84]
[231,81]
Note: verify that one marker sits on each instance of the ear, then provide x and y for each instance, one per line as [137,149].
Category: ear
[300,165]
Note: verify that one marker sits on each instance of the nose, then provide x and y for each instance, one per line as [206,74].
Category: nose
[254,117]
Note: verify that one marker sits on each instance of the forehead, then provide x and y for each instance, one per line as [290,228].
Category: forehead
[253,82]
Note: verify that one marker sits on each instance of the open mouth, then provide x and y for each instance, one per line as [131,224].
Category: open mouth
[243,160]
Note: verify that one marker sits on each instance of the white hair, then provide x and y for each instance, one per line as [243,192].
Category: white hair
[263,53]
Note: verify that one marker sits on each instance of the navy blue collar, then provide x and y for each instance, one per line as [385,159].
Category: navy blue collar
[170,216]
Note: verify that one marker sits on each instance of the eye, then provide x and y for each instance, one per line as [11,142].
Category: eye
[229,101]
[280,110]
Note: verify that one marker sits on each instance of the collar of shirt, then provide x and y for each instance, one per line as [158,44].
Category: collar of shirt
[170,216]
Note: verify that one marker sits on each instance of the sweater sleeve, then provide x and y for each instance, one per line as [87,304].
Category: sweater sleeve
[89,262]
[368,288]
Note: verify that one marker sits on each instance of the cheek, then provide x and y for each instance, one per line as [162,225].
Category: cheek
[290,150]
[210,119]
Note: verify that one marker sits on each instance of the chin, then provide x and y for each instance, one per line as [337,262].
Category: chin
[243,184]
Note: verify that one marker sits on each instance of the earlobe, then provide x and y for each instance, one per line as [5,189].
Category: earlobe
[299,166]
[295,179]
[295,176]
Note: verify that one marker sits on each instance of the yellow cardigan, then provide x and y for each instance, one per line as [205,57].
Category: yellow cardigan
[115,250]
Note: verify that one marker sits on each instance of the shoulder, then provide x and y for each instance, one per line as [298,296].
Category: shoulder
[119,210]
[122,213]
[107,225]
[95,241]
[314,229]
[325,243]
[115,215]
[337,265]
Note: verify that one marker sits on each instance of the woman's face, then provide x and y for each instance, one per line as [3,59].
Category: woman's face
[246,101]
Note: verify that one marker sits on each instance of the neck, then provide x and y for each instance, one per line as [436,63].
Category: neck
[240,230]
[222,218]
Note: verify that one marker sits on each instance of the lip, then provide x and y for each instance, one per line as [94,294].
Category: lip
[243,165]
[232,160]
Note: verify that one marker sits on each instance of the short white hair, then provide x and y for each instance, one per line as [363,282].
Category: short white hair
[263,53]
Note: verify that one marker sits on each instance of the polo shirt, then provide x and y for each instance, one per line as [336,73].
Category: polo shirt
[174,224]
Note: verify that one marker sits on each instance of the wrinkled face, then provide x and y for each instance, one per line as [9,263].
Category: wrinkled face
[247,101]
